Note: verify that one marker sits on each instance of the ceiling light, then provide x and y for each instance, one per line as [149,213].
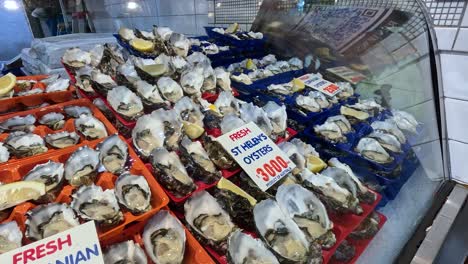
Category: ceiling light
[11,5]
[132,5]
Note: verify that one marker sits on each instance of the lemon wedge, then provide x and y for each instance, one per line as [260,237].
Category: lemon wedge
[142,45]
[315,164]
[250,65]
[213,107]
[232,28]
[7,83]
[12,194]
[192,130]
[154,69]
[297,85]
[228,185]
[347,111]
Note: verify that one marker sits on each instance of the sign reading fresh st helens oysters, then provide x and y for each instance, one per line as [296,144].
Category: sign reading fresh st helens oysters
[79,245]
[257,154]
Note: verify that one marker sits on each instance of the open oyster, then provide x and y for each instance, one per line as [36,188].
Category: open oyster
[191,116]
[390,127]
[164,239]
[76,111]
[180,44]
[230,122]
[133,192]
[342,122]
[92,203]
[126,74]
[223,79]
[170,89]
[386,140]
[90,127]
[58,86]
[126,33]
[4,153]
[83,80]
[51,174]
[148,134]
[244,249]
[344,180]
[76,58]
[50,219]
[210,223]
[281,234]
[217,154]
[368,228]
[405,121]
[162,32]
[22,144]
[307,104]
[18,123]
[62,139]
[227,103]
[81,168]
[105,109]
[320,99]
[192,81]
[125,252]
[308,212]
[171,173]
[278,117]
[330,131]
[252,113]
[372,150]
[209,82]
[10,236]
[53,120]
[125,102]
[294,155]
[150,95]
[344,252]
[113,154]
[197,161]
[172,127]
[103,83]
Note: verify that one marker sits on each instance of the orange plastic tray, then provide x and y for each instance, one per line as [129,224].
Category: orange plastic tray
[13,103]
[106,180]
[194,252]
[69,126]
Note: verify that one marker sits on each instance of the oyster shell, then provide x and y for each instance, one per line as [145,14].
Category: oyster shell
[390,127]
[76,111]
[227,103]
[331,132]
[170,89]
[172,127]
[83,79]
[125,102]
[22,144]
[81,168]
[58,86]
[344,180]
[295,63]
[103,83]
[345,252]
[164,239]
[191,116]
[244,249]
[126,34]
[53,120]
[113,154]
[387,141]
[372,150]
[249,186]
[10,236]
[294,155]
[125,252]
[368,106]
[223,79]
[209,82]
[308,212]
[162,32]
[252,113]
[307,104]
[4,154]
[230,122]
[148,134]
[31,92]
[171,172]
[18,123]
[150,95]
[355,116]
[90,127]
[50,173]
[50,219]
[320,99]
[368,228]
[106,110]
[346,90]
[133,192]
[278,117]
[218,155]
[197,162]
[180,44]
[76,58]
[192,81]
[405,121]
[210,223]
[92,203]
[126,74]
[342,122]
[62,139]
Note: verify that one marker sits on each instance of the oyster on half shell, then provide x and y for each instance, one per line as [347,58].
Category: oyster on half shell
[197,161]
[125,252]
[23,144]
[372,150]
[62,139]
[133,192]
[81,168]
[10,236]
[125,102]
[113,154]
[90,127]
[244,249]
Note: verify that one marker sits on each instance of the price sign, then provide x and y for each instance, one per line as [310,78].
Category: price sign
[79,245]
[257,154]
[316,82]
[347,74]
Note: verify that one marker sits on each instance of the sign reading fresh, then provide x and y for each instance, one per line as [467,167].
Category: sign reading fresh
[257,154]
[79,245]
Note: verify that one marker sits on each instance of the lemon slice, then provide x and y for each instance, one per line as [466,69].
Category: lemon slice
[347,111]
[142,45]
[192,130]
[315,164]
[7,83]
[213,107]
[297,85]
[154,69]
[250,65]
[227,185]
[12,194]
[232,28]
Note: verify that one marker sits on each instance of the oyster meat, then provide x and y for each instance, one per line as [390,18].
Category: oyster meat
[244,249]
[50,219]
[76,111]
[218,155]
[342,122]
[10,236]
[320,99]
[223,79]
[210,223]
[18,123]
[103,83]
[180,44]
[150,95]
[125,252]
[81,168]
[53,120]
[148,134]
[164,239]
[92,203]
[22,144]
[171,172]
[126,33]
[170,89]
[62,139]
[344,180]
[126,74]
[133,192]
[113,154]
[76,58]
[307,104]
[90,127]
[386,140]
[197,162]
[330,131]
[192,81]
[372,150]
[125,102]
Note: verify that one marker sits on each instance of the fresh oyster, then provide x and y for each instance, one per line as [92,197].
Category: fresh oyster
[372,150]
[249,186]
[217,154]
[368,106]
[320,99]
[405,121]
[58,86]
[191,116]
[330,131]
[53,120]
[210,223]
[170,89]
[227,103]
[76,111]
[162,32]
[83,79]
[148,134]
[295,64]
[281,234]
[125,252]
[294,155]
[144,34]
[10,236]
[113,154]
[51,174]
[353,115]
[4,153]
[171,172]
[307,104]
[125,102]
[180,44]
[133,192]
[346,90]
[197,162]
[342,122]
[252,113]
[230,122]
[172,127]
[164,239]
[22,144]
[50,219]
[103,83]
[81,168]
[390,127]
[50,79]
[308,212]
[150,95]
[244,249]
[344,180]
[368,228]
[18,123]
[283,89]
[386,140]
[278,117]
[105,109]
[242,78]
[31,92]
[223,79]
[331,193]
[76,58]
[62,139]
[92,203]
[126,34]
[364,194]
[209,82]
[126,74]
[192,81]
[90,127]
